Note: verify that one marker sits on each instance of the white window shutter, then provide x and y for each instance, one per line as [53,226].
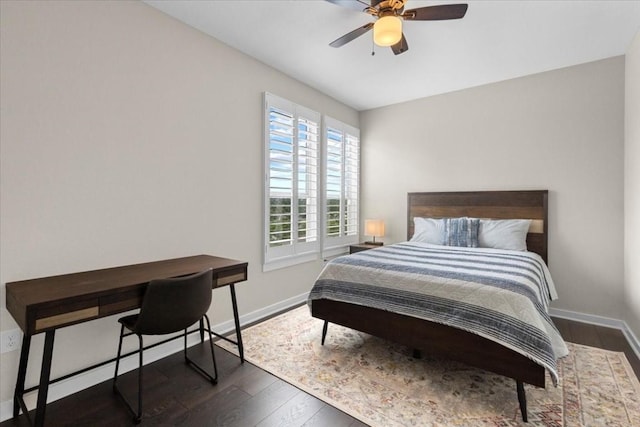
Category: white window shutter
[341,185]
[291,183]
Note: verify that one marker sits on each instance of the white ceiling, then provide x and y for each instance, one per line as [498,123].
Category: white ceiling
[496,40]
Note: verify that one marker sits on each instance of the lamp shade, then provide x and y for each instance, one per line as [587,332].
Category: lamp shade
[387,30]
[374,227]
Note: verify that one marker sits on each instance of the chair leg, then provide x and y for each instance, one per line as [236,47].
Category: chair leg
[115,375]
[214,378]
[137,416]
[213,355]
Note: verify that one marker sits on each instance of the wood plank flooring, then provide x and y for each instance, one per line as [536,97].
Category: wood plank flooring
[174,395]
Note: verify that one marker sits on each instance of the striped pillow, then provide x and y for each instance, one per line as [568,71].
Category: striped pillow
[461,232]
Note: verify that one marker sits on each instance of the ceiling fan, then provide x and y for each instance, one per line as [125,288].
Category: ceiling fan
[387,29]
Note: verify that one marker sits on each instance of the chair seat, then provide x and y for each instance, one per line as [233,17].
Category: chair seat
[129,322]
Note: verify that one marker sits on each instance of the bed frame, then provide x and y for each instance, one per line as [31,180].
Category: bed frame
[446,341]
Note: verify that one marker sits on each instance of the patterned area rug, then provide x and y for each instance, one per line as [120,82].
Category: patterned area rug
[379,382]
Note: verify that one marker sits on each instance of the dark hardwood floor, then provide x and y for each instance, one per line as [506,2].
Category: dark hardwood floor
[175,395]
[598,336]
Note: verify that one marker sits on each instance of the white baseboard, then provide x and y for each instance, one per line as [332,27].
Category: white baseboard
[632,338]
[103,373]
[600,321]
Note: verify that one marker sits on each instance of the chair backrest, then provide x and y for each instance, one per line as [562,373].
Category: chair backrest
[171,305]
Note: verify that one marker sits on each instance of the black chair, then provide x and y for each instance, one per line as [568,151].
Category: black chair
[168,306]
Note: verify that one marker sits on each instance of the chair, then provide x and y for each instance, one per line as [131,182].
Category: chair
[168,306]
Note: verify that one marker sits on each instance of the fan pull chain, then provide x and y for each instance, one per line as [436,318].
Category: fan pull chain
[373,47]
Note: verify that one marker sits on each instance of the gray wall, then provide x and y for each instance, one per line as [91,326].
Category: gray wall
[632,185]
[127,137]
[561,130]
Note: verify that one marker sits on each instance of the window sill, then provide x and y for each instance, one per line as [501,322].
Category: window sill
[289,261]
[335,251]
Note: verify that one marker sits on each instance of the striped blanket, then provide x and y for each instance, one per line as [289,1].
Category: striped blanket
[500,295]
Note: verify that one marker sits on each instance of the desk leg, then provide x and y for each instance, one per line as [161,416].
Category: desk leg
[45,373]
[236,318]
[22,374]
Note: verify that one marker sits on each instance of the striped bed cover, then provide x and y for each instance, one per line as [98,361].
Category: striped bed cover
[498,294]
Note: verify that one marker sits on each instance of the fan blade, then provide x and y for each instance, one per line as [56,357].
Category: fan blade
[401,46]
[351,36]
[359,5]
[436,13]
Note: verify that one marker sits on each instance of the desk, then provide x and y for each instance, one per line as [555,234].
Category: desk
[49,303]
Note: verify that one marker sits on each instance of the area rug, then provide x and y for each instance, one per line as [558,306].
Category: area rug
[381,384]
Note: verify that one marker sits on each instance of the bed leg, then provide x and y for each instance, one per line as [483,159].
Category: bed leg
[522,398]
[324,330]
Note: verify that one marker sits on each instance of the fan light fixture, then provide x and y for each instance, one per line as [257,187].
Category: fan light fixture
[387,30]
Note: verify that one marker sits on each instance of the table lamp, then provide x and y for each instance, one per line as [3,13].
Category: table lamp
[374,228]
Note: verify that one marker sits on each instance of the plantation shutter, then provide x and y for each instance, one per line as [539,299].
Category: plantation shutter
[333,183]
[351,184]
[291,180]
[342,177]
[280,176]
[308,138]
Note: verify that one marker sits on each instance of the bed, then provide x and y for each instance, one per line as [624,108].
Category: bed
[429,331]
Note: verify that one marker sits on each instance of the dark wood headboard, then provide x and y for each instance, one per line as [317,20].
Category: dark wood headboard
[489,205]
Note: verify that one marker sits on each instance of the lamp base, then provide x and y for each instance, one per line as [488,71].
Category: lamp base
[374,243]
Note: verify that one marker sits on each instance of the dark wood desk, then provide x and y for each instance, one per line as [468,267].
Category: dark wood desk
[49,303]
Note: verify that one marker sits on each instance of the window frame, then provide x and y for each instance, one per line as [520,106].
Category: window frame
[296,252]
[332,246]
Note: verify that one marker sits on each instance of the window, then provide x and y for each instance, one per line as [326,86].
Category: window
[301,216]
[291,189]
[341,185]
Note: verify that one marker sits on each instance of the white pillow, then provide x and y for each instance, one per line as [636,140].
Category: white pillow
[428,230]
[508,234]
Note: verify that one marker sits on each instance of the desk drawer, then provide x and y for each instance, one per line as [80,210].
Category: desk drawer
[120,302]
[228,277]
[65,314]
